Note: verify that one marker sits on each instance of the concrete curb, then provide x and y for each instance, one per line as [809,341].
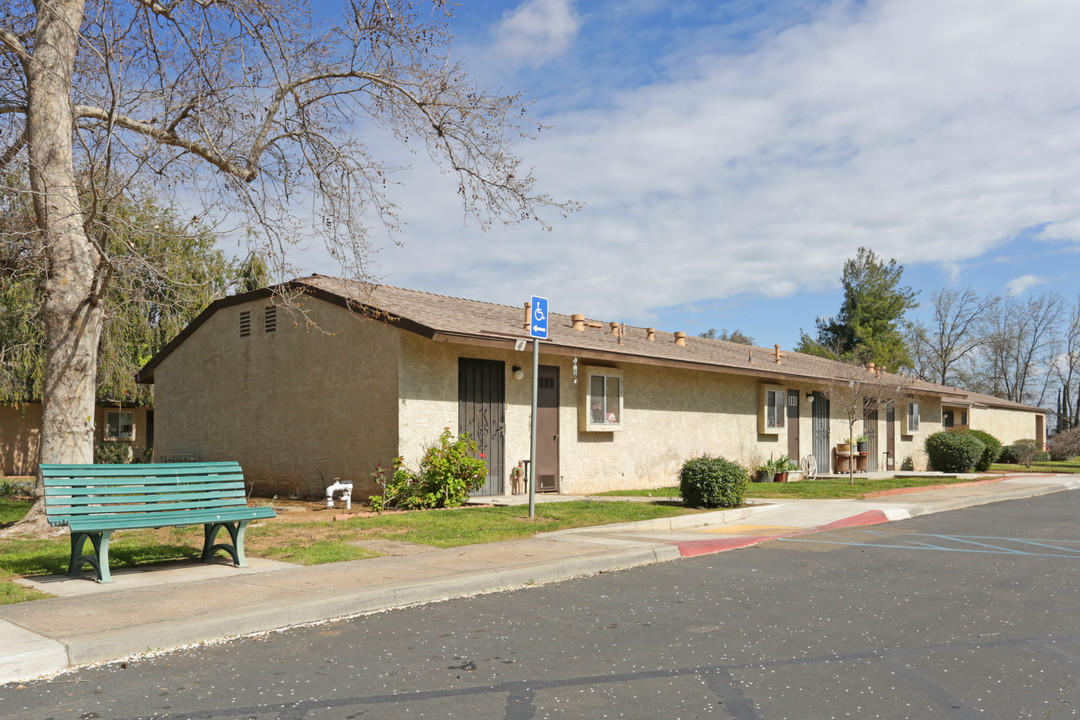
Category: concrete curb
[679,522]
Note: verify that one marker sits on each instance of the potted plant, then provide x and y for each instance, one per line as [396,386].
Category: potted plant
[844,448]
[860,442]
[763,472]
[782,467]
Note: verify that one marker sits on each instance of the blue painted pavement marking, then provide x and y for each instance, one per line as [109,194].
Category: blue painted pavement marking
[961,543]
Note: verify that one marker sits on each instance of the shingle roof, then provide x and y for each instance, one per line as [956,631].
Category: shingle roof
[446,318]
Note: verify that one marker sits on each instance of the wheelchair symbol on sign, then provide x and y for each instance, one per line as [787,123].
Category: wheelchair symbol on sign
[539,315]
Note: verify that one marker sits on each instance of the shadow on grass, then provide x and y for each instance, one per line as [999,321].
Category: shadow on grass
[50,557]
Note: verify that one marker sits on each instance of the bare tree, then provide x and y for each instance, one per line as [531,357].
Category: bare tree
[1067,371]
[255,106]
[1015,362]
[956,329]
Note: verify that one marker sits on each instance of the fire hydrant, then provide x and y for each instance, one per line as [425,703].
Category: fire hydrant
[346,493]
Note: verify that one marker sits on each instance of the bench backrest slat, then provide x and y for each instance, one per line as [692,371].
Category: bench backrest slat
[132,489]
[153,507]
[81,472]
[117,490]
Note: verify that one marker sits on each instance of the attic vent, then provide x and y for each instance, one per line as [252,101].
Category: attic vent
[245,323]
[270,319]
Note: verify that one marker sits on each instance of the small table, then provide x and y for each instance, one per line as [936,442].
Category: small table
[843,461]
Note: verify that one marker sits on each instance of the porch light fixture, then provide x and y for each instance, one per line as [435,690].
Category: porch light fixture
[810,397]
[519,374]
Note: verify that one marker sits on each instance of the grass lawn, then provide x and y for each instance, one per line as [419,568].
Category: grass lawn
[309,537]
[822,488]
[1066,466]
[836,488]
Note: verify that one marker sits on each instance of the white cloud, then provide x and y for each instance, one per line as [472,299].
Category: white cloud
[1018,286]
[929,131]
[537,30]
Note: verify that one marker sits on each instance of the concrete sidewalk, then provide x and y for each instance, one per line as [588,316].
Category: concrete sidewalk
[157,609]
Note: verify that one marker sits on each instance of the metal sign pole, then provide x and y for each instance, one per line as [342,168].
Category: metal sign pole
[532,438]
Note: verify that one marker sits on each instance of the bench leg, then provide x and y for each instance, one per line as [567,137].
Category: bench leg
[99,560]
[235,549]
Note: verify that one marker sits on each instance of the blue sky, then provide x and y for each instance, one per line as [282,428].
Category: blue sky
[731,155]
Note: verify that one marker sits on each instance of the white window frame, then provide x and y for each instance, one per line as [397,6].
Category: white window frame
[910,424]
[772,409]
[609,377]
[119,435]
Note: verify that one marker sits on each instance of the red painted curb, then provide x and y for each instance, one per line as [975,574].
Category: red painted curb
[693,548]
[870,517]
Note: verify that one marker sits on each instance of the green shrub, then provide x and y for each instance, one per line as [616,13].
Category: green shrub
[112,453]
[11,489]
[954,452]
[449,471]
[992,451]
[1028,451]
[1065,445]
[710,482]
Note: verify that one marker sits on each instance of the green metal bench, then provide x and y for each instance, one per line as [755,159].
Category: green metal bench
[96,500]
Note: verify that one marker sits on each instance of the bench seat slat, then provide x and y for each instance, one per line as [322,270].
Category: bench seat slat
[61,492]
[96,524]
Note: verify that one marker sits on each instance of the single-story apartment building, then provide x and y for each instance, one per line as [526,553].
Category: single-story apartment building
[345,376]
[130,426]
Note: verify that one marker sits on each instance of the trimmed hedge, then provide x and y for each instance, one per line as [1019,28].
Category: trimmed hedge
[954,452]
[990,454]
[709,482]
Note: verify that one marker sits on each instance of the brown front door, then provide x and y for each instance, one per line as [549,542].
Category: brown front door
[547,429]
[793,425]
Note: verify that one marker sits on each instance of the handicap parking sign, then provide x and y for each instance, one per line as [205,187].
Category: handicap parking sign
[538,325]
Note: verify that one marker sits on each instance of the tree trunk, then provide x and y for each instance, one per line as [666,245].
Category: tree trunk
[73,312]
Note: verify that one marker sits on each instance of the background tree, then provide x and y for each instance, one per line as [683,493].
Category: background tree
[1015,362]
[257,106]
[735,336]
[957,328]
[1066,369]
[868,327]
[165,272]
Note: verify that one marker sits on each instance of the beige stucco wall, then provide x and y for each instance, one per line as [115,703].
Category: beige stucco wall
[20,435]
[296,407]
[669,416]
[1008,426]
[20,439]
[137,444]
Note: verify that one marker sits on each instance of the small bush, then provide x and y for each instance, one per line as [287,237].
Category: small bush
[992,451]
[1023,451]
[1065,445]
[954,452]
[12,489]
[448,473]
[709,482]
[112,453]
[1028,451]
